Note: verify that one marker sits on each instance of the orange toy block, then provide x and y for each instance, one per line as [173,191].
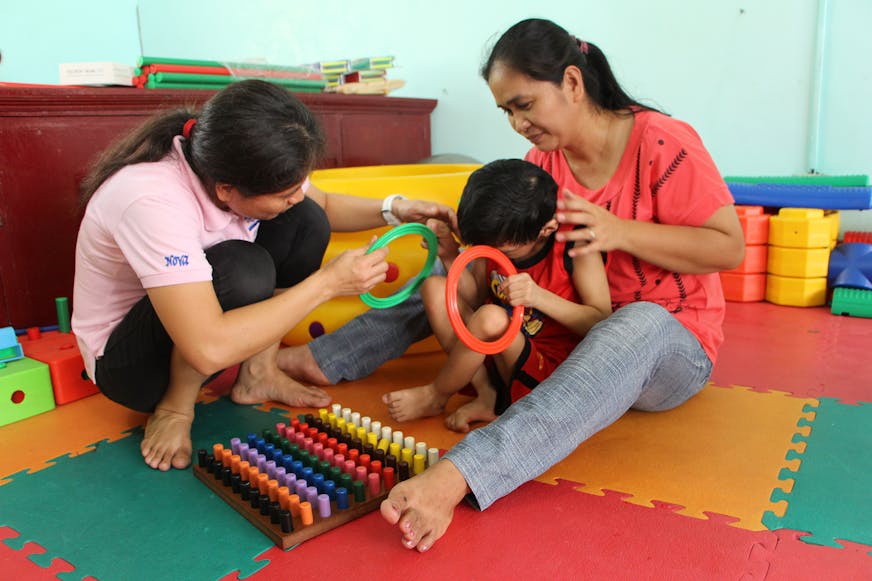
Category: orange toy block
[755,224]
[61,353]
[756,257]
[744,288]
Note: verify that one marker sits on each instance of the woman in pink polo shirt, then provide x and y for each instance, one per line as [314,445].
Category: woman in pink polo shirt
[201,245]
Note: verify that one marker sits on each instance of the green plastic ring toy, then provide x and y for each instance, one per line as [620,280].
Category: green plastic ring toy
[407,229]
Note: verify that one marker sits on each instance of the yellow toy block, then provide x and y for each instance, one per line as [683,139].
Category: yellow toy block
[800,228]
[796,292]
[833,217]
[798,262]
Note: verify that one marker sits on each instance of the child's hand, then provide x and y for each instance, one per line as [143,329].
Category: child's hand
[520,289]
[355,272]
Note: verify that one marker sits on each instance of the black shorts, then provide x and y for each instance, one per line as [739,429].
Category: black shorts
[134,369]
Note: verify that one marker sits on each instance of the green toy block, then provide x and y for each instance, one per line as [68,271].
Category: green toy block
[855,302]
[804,180]
[25,390]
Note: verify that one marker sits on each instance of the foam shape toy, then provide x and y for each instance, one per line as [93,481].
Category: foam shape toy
[808,196]
[850,266]
[60,352]
[855,236]
[795,291]
[800,262]
[854,302]
[743,288]
[10,349]
[804,180]
[25,390]
[441,183]
[835,223]
[755,259]
[800,228]
[755,224]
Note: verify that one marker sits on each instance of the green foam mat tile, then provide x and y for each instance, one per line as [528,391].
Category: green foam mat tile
[830,496]
[113,517]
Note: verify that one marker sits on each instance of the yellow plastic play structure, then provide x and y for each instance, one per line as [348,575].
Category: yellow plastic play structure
[441,183]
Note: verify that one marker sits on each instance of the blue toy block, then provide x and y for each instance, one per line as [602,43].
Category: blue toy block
[10,350]
[850,266]
[802,196]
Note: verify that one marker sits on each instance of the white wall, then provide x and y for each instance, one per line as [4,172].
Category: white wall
[742,72]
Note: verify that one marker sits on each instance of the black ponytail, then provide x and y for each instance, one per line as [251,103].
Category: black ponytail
[253,135]
[542,50]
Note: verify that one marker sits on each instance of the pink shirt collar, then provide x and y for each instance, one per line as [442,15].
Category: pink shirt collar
[214,218]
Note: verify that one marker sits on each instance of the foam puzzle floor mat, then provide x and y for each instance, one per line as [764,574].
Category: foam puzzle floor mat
[744,481]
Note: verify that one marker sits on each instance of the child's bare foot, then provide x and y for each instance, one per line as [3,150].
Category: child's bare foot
[481,409]
[298,363]
[260,385]
[422,507]
[167,441]
[415,402]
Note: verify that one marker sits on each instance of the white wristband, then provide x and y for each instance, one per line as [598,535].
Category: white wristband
[387,214]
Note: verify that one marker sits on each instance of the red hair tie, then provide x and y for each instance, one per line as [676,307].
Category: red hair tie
[186,130]
[582,45]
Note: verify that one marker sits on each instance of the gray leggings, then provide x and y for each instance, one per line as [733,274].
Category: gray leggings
[641,357]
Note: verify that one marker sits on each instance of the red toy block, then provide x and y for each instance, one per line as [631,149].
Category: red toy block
[863,237]
[744,287]
[755,224]
[756,258]
[61,353]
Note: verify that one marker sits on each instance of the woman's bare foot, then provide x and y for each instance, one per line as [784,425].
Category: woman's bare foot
[298,363]
[259,385]
[167,441]
[415,402]
[422,507]
[481,409]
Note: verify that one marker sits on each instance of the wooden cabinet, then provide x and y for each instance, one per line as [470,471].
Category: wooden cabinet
[48,137]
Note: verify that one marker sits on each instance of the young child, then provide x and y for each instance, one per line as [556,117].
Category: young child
[509,204]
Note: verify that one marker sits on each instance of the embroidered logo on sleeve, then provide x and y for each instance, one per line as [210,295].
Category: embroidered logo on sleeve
[174,260]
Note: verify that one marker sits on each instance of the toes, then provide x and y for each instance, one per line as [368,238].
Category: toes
[427,541]
[390,511]
[181,460]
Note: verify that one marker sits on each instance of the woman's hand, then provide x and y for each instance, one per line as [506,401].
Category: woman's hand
[355,272]
[602,230]
[421,211]
[449,247]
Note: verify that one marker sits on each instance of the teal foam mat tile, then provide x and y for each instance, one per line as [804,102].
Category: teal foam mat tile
[112,517]
[830,496]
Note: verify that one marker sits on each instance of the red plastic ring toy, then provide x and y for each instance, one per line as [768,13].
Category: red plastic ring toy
[474,343]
